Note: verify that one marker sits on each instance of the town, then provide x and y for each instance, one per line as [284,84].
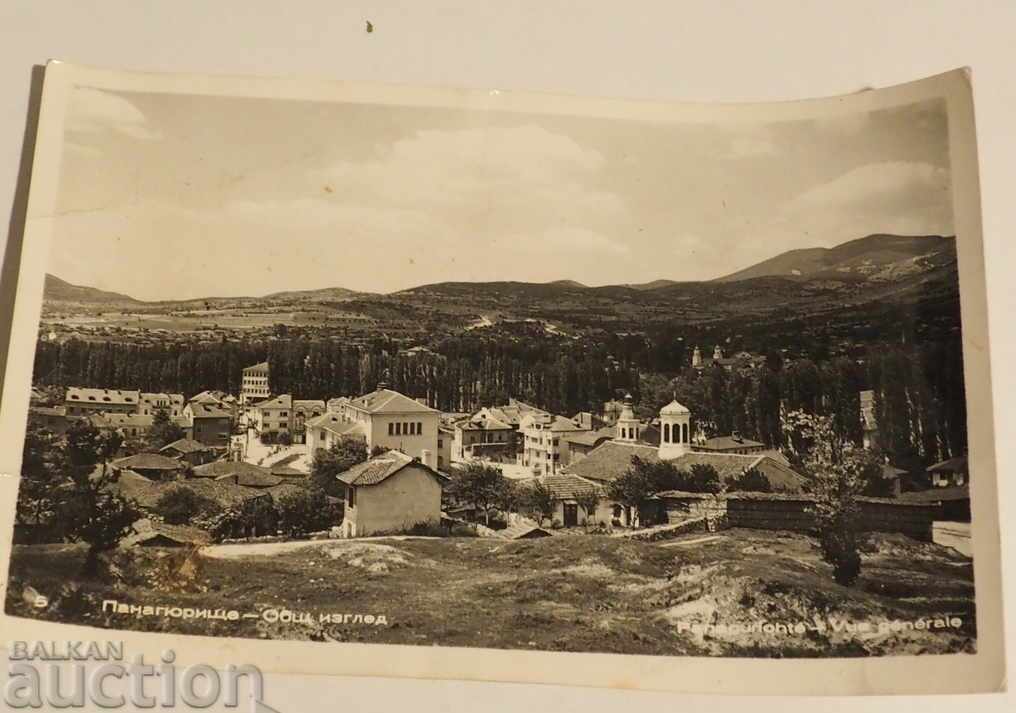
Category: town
[389,463]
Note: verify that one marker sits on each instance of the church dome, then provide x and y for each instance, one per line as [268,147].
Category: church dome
[674,409]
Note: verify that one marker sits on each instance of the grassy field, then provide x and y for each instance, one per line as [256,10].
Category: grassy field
[566,593]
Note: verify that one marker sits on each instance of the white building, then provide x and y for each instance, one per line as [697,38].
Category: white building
[254,386]
[388,420]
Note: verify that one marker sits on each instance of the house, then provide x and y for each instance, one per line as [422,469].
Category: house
[272,417]
[523,531]
[393,421]
[734,443]
[949,473]
[226,402]
[130,425]
[150,403]
[254,384]
[149,533]
[567,490]
[151,466]
[329,428]
[208,423]
[390,493]
[238,472]
[190,451]
[611,458]
[82,401]
[147,493]
[445,439]
[481,428]
[303,411]
[545,442]
[52,418]
[581,444]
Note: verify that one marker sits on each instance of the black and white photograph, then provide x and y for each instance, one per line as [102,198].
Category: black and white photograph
[485,376]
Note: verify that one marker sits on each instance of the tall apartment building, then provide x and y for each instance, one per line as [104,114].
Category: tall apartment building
[254,386]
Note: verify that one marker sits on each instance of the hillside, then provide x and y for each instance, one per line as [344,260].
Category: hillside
[58,290]
[562,593]
[863,257]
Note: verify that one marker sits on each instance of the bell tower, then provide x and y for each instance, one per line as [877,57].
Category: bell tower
[675,431]
[628,426]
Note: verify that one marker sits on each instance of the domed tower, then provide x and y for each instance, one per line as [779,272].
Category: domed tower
[628,426]
[675,431]
[696,358]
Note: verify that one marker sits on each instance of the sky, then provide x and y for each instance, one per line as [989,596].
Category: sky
[168,196]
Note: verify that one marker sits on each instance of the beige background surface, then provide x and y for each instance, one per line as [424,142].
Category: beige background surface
[679,51]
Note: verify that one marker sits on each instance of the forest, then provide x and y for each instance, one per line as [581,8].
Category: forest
[919,395]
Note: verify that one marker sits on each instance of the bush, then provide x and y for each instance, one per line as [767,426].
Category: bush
[428,528]
[840,549]
[303,511]
[180,505]
[462,529]
[703,478]
[752,480]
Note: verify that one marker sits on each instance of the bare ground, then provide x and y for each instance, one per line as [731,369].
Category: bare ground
[562,593]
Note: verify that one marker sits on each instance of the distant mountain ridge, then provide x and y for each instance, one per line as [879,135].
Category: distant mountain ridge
[865,257]
[877,258]
[62,291]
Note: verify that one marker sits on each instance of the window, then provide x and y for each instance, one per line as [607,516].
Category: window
[666,433]
[391,429]
[419,427]
[398,429]
[351,492]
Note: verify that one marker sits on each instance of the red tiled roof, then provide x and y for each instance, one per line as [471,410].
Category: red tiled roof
[389,401]
[382,467]
[147,461]
[185,445]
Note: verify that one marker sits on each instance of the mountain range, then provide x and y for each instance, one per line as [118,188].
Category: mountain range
[876,258]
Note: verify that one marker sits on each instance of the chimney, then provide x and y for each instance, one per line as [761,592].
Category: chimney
[427,457]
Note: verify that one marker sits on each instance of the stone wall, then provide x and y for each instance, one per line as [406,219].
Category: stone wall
[776,511]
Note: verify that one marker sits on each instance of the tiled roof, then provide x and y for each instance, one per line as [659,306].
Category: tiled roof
[483,422]
[389,401]
[723,443]
[592,438]
[308,405]
[523,530]
[146,530]
[610,459]
[147,461]
[935,495]
[382,467]
[207,409]
[952,465]
[148,398]
[565,486]
[263,366]
[102,396]
[283,401]
[48,410]
[185,445]
[219,468]
[333,422]
[146,493]
[250,479]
